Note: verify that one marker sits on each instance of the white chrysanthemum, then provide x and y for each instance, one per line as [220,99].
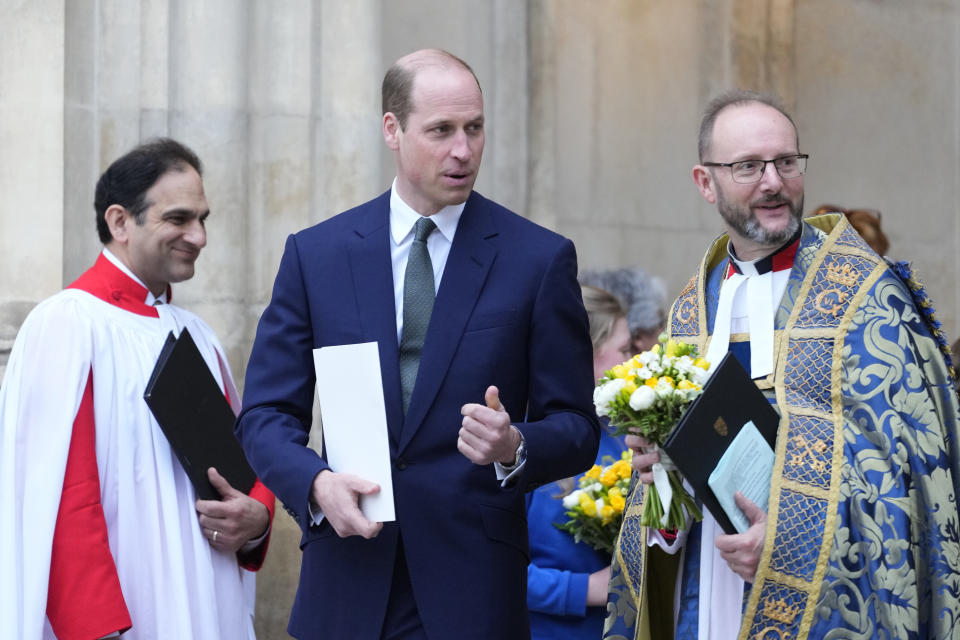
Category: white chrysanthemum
[604,395]
[642,398]
[644,373]
[572,499]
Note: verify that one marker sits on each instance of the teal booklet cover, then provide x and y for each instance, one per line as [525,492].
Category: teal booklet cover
[730,399]
[746,466]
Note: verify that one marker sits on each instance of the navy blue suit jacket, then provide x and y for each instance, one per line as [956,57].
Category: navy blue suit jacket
[508,313]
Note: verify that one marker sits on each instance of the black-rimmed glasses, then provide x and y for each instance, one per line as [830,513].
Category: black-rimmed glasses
[749,171]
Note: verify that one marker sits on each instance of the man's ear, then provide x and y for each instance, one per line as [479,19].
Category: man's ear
[703,178]
[118,220]
[391,130]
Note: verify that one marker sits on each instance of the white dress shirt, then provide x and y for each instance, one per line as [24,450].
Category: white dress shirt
[402,220]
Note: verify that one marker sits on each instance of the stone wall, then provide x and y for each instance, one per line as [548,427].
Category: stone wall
[592,109]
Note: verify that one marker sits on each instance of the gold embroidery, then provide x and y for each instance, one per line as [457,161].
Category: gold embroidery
[777,609]
[687,310]
[762,634]
[720,426]
[809,450]
[831,301]
[845,274]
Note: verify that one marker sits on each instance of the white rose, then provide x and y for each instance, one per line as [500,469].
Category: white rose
[642,398]
[572,499]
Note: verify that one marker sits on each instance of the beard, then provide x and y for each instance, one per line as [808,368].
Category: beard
[743,220]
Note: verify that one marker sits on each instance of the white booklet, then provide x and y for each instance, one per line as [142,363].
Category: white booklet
[746,466]
[355,435]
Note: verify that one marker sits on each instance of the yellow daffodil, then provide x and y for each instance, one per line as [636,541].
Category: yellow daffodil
[607,513]
[622,468]
[668,380]
[594,472]
[655,348]
[652,381]
[609,477]
[686,384]
[588,505]
[621,371]
[617,502]
[671,348]
[701,363]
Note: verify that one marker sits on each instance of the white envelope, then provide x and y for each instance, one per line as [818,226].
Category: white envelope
[355,421]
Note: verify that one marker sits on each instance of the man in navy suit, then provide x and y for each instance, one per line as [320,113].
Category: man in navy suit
[501,395]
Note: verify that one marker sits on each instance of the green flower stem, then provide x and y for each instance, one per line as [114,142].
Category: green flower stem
[680,503]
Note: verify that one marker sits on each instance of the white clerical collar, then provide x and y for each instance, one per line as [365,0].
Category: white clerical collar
[150,299]
[749,267]
[403,217]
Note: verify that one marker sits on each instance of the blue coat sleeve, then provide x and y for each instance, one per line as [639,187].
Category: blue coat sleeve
[556,592]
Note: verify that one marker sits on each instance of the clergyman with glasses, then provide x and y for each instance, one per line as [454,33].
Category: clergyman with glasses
[860,535]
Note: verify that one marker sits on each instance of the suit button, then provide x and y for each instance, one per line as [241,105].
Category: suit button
[401,464]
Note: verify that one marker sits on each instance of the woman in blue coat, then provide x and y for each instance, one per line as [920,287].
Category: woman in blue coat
[567,580]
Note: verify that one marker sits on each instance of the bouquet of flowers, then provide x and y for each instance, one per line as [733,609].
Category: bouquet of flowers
[646,395]
[595,509]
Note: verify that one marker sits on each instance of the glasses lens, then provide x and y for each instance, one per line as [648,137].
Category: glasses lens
[747,171]
[789,167]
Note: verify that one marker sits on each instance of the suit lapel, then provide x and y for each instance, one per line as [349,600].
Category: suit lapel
[372,271]
[471,256]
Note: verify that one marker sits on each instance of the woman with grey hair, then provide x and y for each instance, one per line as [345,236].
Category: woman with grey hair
[644,297]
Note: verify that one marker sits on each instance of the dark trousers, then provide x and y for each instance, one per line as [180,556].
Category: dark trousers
[402,620]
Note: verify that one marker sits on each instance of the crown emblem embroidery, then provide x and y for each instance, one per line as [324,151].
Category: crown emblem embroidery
[779,611]
[720,426]
[843,274]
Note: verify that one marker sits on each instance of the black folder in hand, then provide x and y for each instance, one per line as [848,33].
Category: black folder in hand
[196,417]
[729,400]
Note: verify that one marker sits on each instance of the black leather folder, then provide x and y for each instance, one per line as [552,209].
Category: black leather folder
[196,417]
[729,400]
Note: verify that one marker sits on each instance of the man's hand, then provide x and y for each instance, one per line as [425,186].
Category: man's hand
[338,496]
[742,550]
[234,520]
[487,435]
[642,461]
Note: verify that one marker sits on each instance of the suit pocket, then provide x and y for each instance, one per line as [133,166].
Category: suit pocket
[491,320]
[505,526]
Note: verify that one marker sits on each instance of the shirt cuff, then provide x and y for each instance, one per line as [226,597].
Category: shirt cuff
[507,474]
[315,513]
[253,543]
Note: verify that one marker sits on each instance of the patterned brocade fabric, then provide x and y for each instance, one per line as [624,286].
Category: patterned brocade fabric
[862,532]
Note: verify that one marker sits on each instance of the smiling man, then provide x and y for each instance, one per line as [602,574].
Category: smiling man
[100,531]
[859,539]
[486,369]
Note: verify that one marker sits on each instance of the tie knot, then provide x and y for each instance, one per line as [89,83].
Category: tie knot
[423,228]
